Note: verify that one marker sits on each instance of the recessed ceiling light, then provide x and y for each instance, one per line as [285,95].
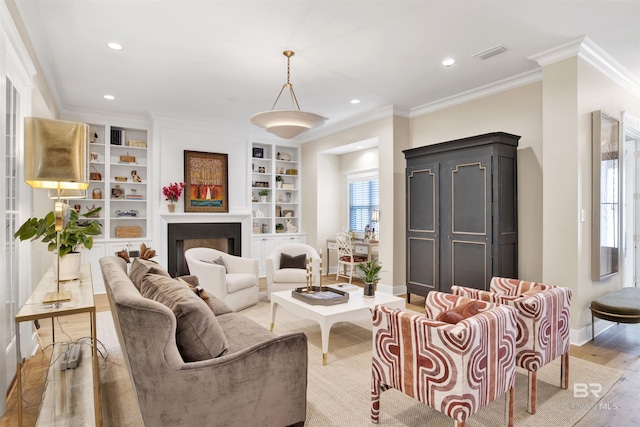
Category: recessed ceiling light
[109,97]
[355,101]
[448,62]
[115,46]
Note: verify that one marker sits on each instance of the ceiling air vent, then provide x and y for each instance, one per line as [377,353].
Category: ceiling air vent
[492,51]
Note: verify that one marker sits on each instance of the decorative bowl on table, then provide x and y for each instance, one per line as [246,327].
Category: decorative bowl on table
[130,212]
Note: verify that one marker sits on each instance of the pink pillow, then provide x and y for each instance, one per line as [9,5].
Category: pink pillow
[459,313]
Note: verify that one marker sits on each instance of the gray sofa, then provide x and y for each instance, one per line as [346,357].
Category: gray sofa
[261,379]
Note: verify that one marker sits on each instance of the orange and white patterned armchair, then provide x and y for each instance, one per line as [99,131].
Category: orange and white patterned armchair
[457,369]
[543,324]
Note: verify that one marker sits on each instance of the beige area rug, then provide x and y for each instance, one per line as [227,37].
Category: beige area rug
[338,394]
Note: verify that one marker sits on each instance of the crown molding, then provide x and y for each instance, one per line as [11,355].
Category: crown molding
[585,48]
[479,92]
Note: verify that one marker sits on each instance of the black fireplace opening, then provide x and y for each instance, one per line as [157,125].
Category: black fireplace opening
[225,237]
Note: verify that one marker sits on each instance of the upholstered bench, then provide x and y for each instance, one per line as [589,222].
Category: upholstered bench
[622,306]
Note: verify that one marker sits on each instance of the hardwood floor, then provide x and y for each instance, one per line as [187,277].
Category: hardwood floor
[618,347]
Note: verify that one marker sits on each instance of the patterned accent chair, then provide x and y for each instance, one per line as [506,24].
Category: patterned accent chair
[543,324]
[457,369]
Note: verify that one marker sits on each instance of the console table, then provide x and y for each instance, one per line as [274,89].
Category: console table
[67,398]
[360,247]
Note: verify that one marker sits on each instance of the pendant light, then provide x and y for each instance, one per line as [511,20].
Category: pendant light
[287,124]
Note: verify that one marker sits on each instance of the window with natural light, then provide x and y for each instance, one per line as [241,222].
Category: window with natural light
[363,199]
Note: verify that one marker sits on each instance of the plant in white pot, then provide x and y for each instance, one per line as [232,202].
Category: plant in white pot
[77,232]
[263,195]
[370,275]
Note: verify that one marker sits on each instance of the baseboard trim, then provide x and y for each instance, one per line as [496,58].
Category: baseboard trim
[582,336]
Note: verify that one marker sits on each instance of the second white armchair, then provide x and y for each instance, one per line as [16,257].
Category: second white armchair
[281,277]
[234,280]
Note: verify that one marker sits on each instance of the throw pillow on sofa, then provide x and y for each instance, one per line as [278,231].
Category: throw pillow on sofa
[140,267]
[199,336]
[216,305]
[289,261]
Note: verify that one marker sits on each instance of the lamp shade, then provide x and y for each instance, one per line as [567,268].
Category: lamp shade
[287,124]
[56,153]
[375,215]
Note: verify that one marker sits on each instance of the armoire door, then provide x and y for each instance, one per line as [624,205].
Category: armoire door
[466,223]
[423,228]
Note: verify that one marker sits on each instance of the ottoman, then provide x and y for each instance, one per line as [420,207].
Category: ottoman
[622,306]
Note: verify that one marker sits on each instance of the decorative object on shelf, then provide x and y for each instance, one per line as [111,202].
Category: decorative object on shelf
[288,213]
[260,184]
[288,197]
[135,177]
[370,275]
[280,198]
[261,169]
[258,153]
[172,193]
[292,171]
[117,192]
[94,138]
[280,171]
[287,123]
[290,227]
[206,177]
[284,156]
[253,197]
[288,186]
[128,232]
[279,181]
[127,159]
[279,228]
[96,194]
[117,136]
[259,214]
[137,143]
[55,157]
[121,178]
[265,229]
[94,174]
[263,195]
[278,210]
[77,208]
[129,212]
[94,157]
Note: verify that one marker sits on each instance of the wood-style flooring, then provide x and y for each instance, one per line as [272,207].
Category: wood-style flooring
[618,347]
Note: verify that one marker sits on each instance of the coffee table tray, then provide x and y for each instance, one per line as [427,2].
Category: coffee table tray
[327,296]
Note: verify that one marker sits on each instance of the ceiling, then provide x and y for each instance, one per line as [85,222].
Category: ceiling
[222,62]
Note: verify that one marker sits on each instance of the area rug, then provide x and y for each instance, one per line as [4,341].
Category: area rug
[338,393]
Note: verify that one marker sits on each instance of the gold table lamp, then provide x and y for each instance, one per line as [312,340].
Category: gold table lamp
[56,157]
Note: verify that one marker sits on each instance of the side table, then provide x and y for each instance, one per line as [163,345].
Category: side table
[82,301]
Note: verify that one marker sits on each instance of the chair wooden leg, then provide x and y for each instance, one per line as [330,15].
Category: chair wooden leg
[533,386]
[375,400]
[510,406]
[459,424]
[564,370]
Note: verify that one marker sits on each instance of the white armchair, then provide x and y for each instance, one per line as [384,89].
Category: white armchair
[235,282]
[283,279]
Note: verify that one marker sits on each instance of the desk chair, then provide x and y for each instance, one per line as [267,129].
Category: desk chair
[346,257]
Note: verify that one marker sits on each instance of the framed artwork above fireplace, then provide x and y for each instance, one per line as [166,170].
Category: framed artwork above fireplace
[206,178]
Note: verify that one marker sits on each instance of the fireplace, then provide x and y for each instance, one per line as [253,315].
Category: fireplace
[225,237]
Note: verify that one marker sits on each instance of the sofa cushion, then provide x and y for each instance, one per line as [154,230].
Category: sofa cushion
[140,267]
[216,305]
[198,333]
[290,275]
[243,332]
[293,261]
[239,281]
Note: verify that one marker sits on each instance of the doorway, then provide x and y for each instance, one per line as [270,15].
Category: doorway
[631,191]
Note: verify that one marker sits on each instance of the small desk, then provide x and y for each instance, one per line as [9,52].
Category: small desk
[360,247]
[54,405]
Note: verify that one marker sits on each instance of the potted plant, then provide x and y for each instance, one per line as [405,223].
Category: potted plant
[172,193]
[279,181]
[370,275]
[279,228]
[263,195]
[76,233]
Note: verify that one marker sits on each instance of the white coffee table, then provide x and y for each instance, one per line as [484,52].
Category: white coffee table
[357,308]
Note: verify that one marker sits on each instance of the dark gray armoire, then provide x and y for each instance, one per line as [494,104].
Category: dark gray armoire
[462,217]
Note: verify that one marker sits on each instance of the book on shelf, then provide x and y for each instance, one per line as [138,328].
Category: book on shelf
[117,136]
[134,197]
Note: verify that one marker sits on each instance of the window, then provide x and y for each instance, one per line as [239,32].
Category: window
[363,199]
[11,266]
